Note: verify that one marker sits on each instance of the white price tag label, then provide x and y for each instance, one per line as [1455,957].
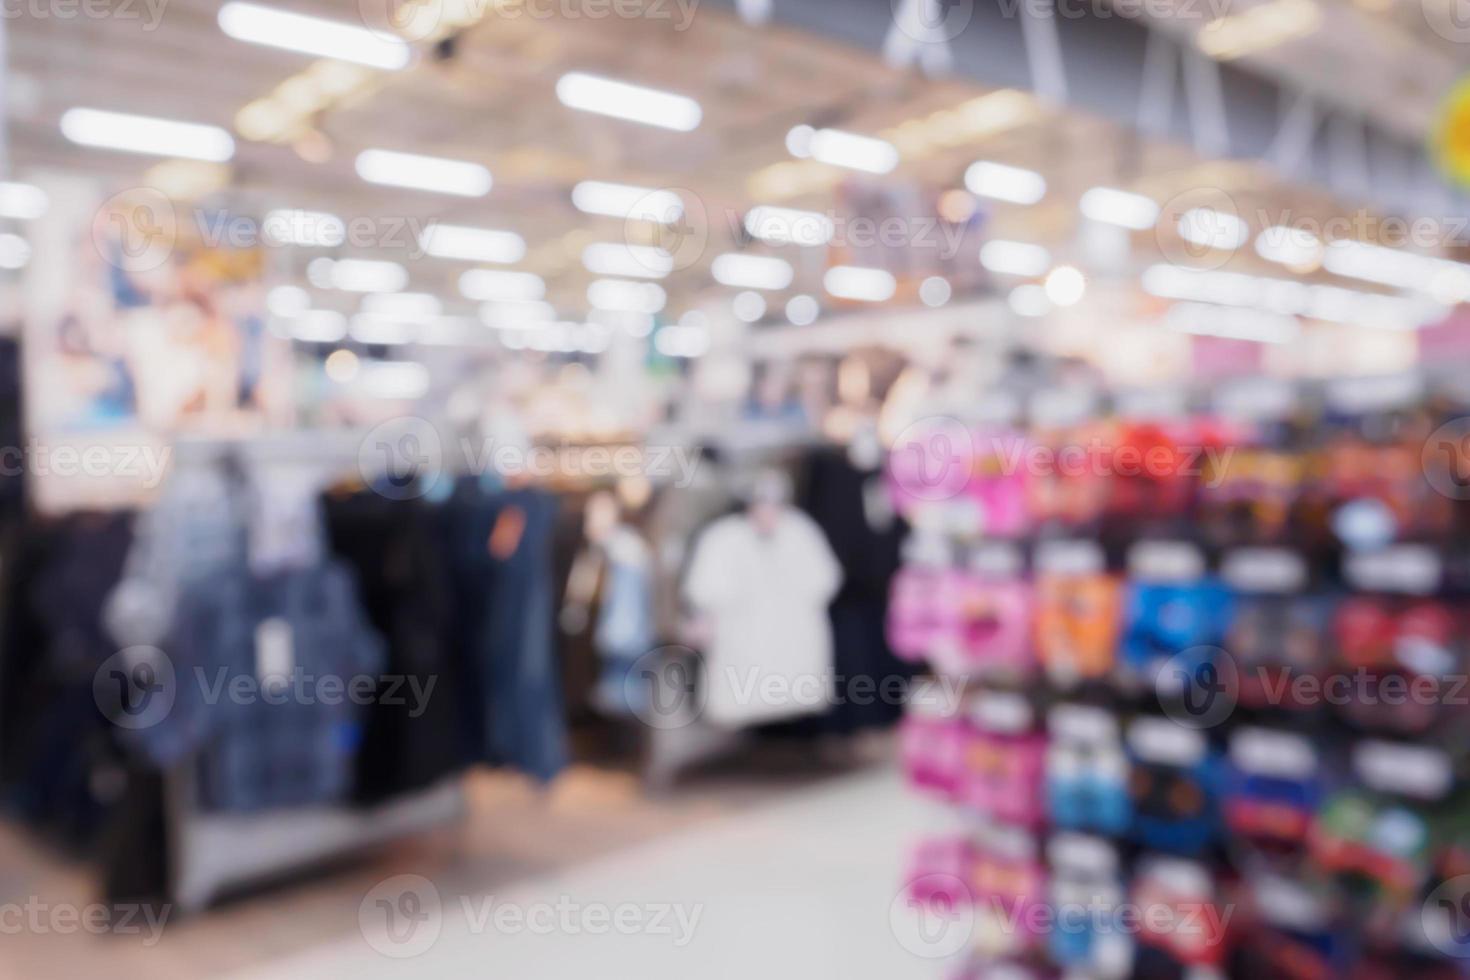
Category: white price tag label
[1167,742]
[1069,558]
[275,653]
[1166,561]
[1270,570]
[1407,770]
[1408,569]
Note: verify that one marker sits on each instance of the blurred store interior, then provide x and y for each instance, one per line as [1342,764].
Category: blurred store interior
[721,488]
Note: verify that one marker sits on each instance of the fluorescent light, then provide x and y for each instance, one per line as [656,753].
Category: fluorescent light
[15,252]
[472,244]
[1014,258]
[626,295]
[634,323]
[1387,266]
[413,170]
[497,284]
[1029,299]
[1122,208]
[415,307]
[147,134]
[842,149]
[803,310]
[358,275]
[1289,297]
[1003,183]
[1234,324]
[856,282]
[514,316]
[627,201]
[783,226]
[1065,285]
[637,261]
[297,227]
[677,341]
[319,326]
[1213,229]
[624,100]
[799,141]
[23,201]
[312,35]
[287,301]
[752,271]
[748,306]
[369,329]
[935,291]
[395,380]
[1295,248]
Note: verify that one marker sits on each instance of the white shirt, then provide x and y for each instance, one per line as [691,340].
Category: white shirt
[770,656]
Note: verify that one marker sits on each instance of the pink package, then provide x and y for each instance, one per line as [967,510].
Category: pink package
[940,872]
[995,628]
[1003,761]
[1009,878]
[932,745]
[998,481]
[931,462]
[923,611]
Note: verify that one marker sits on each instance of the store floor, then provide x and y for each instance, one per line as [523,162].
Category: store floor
[797,888]
[788,870]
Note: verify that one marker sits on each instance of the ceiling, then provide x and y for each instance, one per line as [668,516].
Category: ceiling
[487,95]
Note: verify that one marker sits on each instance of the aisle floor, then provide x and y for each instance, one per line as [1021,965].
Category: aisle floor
[790,862]
[801,887]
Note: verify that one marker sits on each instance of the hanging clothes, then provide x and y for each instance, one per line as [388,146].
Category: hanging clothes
[766,595]
[274,637]
[404,578]
[501,547]
[625,626]
[847,502]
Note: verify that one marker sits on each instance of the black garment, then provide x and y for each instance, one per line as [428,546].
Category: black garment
[56,740]
[846,503]
[403,578]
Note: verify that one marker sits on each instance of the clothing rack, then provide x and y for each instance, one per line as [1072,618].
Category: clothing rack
[212,854]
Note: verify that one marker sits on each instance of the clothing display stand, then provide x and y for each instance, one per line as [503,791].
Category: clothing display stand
[214,853]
